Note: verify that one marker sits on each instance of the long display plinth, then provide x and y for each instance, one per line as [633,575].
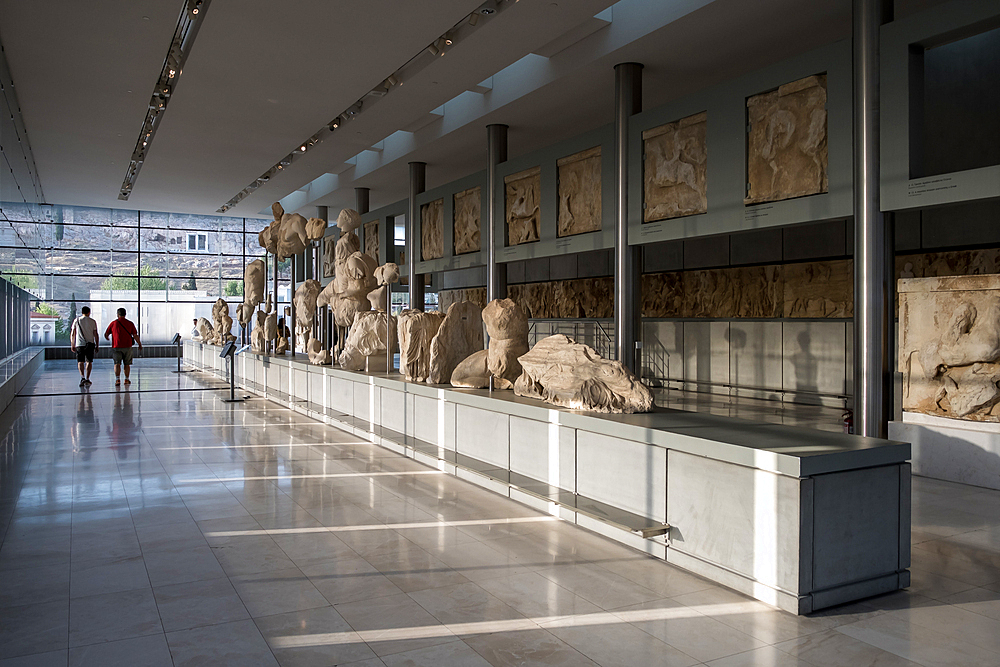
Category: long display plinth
[796,518]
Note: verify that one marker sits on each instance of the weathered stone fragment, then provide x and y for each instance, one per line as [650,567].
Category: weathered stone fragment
[369,336]
[460,334]
[560,371]
[416,329]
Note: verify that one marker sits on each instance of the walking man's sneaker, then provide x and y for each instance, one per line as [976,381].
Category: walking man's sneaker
[83,381]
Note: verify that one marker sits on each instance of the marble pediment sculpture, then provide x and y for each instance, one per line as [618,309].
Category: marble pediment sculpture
[371,335]
[949,349]
[507,327]
[459,336]
[371,239]
[385,276]
[306,295]
[416,329]
[286,235]
[317,355]
[253,290]
[206,331]
[315,229]
[560,371]
[258,338]
[223,322]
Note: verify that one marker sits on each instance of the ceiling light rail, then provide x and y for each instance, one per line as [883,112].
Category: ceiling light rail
[191,17]
[424,58]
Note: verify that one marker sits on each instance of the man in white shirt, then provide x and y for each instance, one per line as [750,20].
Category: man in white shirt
[83,340]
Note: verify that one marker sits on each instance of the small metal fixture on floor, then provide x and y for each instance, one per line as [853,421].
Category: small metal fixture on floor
[180,352]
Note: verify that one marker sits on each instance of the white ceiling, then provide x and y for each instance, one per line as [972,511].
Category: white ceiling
[264,76]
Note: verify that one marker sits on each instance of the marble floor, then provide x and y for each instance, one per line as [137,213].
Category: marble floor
[157,525]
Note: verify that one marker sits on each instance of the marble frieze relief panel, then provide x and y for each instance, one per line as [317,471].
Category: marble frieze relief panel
[949,346]
[787,141]
[522,194]
[675,169]
[432,230]
[579,192]
[371,239]
[467,226]
[820,289]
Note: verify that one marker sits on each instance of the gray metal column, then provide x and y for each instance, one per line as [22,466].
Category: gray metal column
[361,205]
[873,289]
[496,152]
[628,101]
[418,182]
[291,324]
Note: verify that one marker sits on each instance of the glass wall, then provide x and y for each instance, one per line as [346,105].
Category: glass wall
[165,269]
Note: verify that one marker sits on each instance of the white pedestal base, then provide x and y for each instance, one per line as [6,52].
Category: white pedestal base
[951,449]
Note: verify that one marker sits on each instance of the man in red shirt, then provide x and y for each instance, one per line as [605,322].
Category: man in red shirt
[122,334]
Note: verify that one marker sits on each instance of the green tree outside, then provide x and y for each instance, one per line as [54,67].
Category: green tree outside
[62,331]
[128,280]
[23,280]
[233,288]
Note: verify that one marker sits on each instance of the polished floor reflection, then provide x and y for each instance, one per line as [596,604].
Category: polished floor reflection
[158,525]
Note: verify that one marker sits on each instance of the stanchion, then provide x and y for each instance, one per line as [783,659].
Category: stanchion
[177,341]
[229,352]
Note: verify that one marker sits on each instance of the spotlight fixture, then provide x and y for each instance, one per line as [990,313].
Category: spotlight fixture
[392,81]
[334,124]
[435,51]
[353,110]
[185,32]
[487,11]
[303,148]
[473,19]
[447,40]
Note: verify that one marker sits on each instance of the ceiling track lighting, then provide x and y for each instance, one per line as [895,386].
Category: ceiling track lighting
[458,32]
[188,24]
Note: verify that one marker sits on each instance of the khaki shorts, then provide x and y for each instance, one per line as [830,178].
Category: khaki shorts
[122,355]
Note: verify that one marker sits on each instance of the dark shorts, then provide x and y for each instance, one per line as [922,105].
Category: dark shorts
[122,355]
[86,353]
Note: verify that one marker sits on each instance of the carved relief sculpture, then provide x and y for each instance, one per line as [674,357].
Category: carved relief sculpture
[949,348]
[522,194]
[579,192]
[206,332]
[253,290]
[560,371]
[315,229]
[329,256]
[460,335]
[467,221]
[371,239]
[787,144]
[432,230]
[820,289]
[675,169]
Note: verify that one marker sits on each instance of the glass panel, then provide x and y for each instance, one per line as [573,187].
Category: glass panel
[84,215]
[231,224]
[231,243]
[199,266]
[124,218]
[195,222]
[154,220]
[50,323]
[161,240]
[80,288]
[105,312]
[232,266]
[232,289]
[73,262]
